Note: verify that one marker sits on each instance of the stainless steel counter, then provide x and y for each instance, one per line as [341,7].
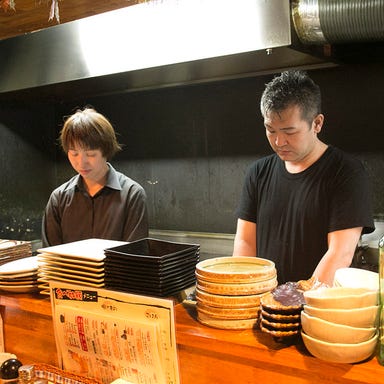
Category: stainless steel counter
[211,244]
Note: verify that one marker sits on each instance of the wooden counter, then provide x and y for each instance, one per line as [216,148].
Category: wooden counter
[206,355]
[28,328]
[249,356]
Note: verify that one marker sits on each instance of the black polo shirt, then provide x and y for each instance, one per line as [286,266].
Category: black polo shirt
[117,212]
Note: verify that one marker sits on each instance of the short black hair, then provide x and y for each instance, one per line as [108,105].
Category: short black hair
[90,130]
[291,88]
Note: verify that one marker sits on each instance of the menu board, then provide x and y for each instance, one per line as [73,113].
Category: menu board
[108,335]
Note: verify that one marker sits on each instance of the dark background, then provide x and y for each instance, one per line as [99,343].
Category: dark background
[189,146]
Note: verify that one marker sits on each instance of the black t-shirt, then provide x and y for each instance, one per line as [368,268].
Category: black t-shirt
[295,212]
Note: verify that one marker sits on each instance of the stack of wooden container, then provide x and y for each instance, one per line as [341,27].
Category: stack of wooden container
[229,289]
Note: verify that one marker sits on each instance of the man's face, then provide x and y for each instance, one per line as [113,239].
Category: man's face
[291,137]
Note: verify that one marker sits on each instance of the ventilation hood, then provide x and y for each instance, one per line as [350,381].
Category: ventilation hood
[153,44]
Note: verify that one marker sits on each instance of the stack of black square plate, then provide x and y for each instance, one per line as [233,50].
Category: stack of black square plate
[151,267]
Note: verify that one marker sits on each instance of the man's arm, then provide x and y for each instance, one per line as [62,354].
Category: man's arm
[341,248]
[51,231]
[245,239]
[136,225]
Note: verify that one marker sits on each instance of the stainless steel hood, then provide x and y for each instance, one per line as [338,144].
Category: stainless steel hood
[160,43]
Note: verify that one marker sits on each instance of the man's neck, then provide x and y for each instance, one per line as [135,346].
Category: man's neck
[303,164]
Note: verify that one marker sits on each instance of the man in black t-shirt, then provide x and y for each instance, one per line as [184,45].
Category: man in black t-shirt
[306,206]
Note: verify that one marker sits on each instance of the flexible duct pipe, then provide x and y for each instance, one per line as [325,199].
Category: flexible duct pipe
[338,21]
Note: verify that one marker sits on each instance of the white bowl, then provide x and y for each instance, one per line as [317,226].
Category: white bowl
[339,352]
[356,317]
[356,278]
[334,333]
[341,297]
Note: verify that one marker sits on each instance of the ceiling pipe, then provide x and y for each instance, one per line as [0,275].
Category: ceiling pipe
[338,21]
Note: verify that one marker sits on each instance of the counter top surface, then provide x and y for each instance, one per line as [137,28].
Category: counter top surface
[206,355]
[281,362]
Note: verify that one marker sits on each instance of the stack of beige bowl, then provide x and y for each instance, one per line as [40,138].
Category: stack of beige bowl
[339,324]
[229,289]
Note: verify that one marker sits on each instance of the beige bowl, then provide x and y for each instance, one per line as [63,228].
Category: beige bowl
[228,313]
[357,317]
[235,269]
[227,301]
[338,352]
[356,278]
[334,333]
[341,297]
[236,289]
[214,322]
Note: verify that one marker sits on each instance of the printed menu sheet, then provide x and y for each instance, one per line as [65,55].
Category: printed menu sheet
[107,335]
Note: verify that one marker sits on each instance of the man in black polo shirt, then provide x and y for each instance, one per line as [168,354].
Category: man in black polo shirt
[98,202]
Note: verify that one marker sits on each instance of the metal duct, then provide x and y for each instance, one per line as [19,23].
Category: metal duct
[338,21]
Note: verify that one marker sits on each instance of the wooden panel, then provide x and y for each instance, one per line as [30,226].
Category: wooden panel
[206,355]
[32,15]
[30,337]
[28,330]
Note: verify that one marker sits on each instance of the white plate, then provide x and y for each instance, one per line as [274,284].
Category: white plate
[26,264]
[72,271]
[18,275]
[17,283]
[19,288]
[90,249]
[54,275]
[47,257]
[46,279]
[64,261]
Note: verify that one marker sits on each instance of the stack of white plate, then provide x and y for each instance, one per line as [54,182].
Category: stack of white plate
[19,276]
[80,262]
[229,289]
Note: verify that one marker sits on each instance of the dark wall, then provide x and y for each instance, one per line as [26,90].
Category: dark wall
[187,146]
[190,146]
[26,170]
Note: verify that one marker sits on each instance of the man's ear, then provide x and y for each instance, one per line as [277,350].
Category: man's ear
[318,122]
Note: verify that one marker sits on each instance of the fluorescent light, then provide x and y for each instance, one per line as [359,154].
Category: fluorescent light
[165,32]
